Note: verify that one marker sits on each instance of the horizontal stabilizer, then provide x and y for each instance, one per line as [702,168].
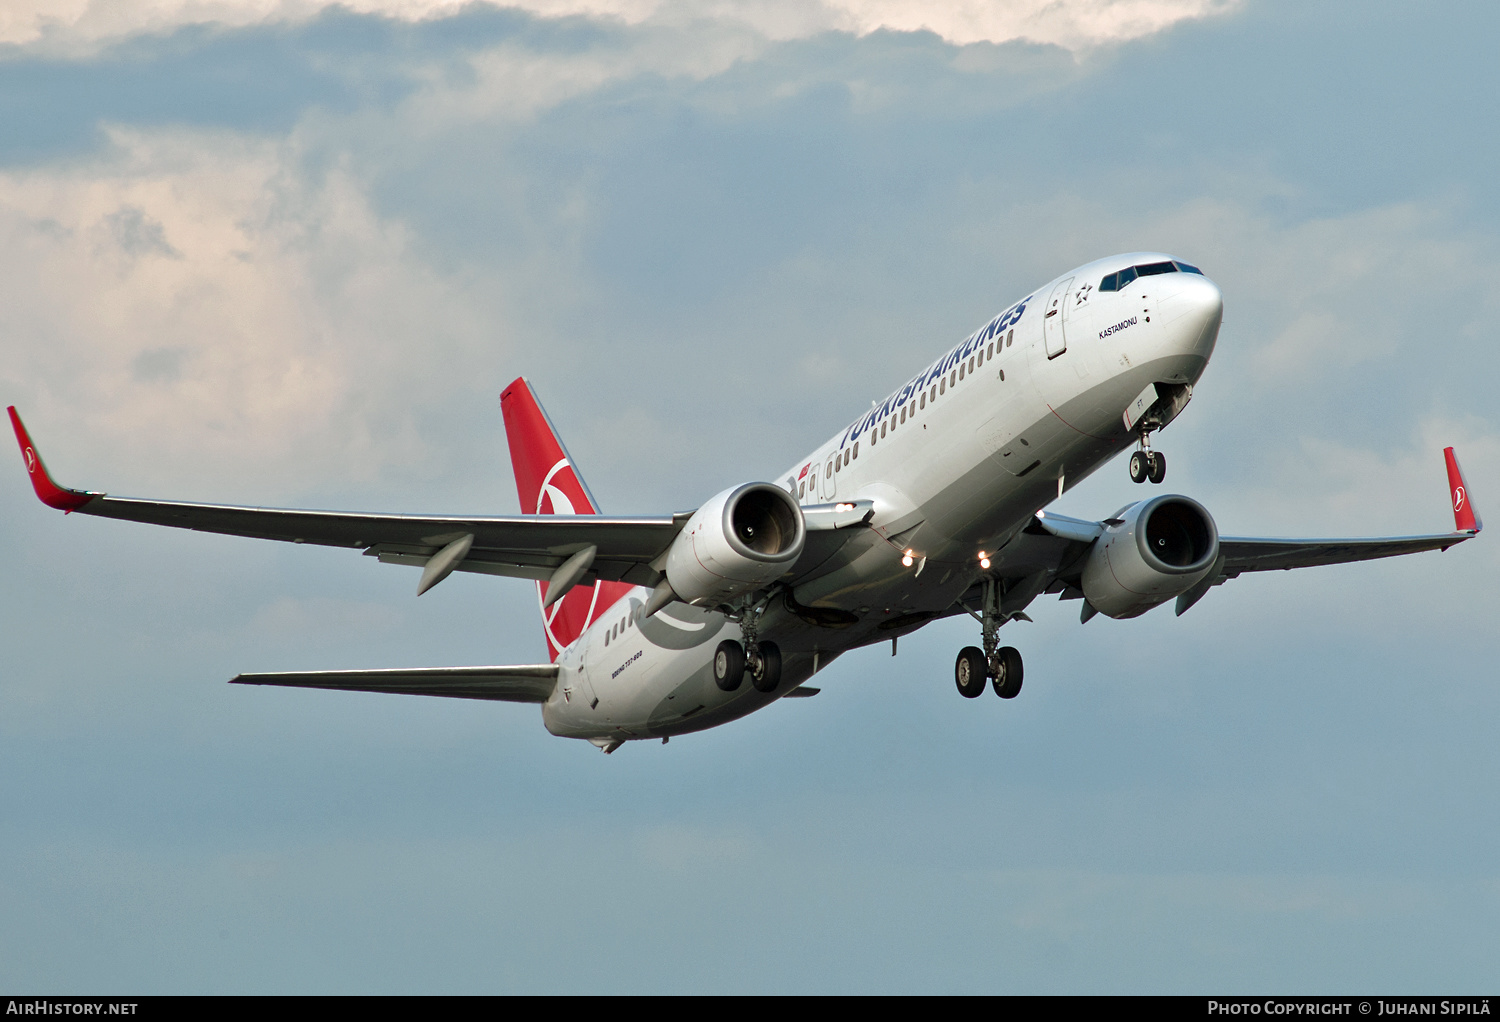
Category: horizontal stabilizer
[524,684]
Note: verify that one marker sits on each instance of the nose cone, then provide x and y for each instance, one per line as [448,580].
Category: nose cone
[1191,316]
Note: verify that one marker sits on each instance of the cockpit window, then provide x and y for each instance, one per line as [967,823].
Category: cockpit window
[1118,281]
[1115,281]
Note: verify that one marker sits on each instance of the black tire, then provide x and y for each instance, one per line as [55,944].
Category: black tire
[1008,678]
[729,665]
[970,672]
[769,675]
[1158,466]
[1139,467]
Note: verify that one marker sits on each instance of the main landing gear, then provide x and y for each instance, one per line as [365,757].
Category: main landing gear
[1146,463]
[762,663]
[1000,664]
[760,660]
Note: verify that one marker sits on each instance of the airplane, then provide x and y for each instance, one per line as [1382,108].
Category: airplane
[929,505]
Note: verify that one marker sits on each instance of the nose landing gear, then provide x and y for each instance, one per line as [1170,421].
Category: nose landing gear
[1146,463]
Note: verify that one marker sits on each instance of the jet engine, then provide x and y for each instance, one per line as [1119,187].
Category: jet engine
[1149,553]
[738,542]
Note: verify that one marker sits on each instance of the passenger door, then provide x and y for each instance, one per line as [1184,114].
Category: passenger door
[826,479]
[1052,322]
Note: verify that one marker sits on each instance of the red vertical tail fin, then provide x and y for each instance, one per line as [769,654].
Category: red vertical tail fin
[1465,518]
[548,483]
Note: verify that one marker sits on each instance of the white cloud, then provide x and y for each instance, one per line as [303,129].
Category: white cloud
[515,83]
[202,295]
[1073,24]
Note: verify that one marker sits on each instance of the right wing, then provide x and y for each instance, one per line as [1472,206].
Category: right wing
[1048,555]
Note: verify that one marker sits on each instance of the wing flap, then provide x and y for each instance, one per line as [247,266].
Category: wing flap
[519,684]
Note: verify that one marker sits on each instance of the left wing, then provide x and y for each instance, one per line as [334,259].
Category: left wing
[539,547]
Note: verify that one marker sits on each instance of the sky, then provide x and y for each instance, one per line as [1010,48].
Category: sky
[288,253]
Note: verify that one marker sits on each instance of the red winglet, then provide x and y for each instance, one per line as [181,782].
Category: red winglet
[50,493]
[1464,518]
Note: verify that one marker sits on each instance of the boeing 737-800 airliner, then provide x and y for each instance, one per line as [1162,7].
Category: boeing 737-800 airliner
[929,505]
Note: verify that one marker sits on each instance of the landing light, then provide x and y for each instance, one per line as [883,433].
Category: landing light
[984,560]
[843,507]
[906,559]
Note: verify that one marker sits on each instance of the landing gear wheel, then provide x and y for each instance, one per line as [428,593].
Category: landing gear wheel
[765,667]
[1140,468]
[1008,672]
[969,672]
[729,665]
[1158,466]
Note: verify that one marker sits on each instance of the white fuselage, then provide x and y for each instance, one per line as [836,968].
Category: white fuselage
[957,462]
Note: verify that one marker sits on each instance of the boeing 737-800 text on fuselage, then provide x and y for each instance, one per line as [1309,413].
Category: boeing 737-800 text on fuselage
[928,505]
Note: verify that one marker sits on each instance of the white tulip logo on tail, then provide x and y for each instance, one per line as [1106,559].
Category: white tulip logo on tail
[30,461]
[562,504]
[1458,498]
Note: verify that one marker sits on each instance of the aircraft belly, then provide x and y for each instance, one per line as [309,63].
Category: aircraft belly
[646,690]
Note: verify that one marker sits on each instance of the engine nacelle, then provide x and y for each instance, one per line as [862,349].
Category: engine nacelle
[1160,549]
[738,542]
